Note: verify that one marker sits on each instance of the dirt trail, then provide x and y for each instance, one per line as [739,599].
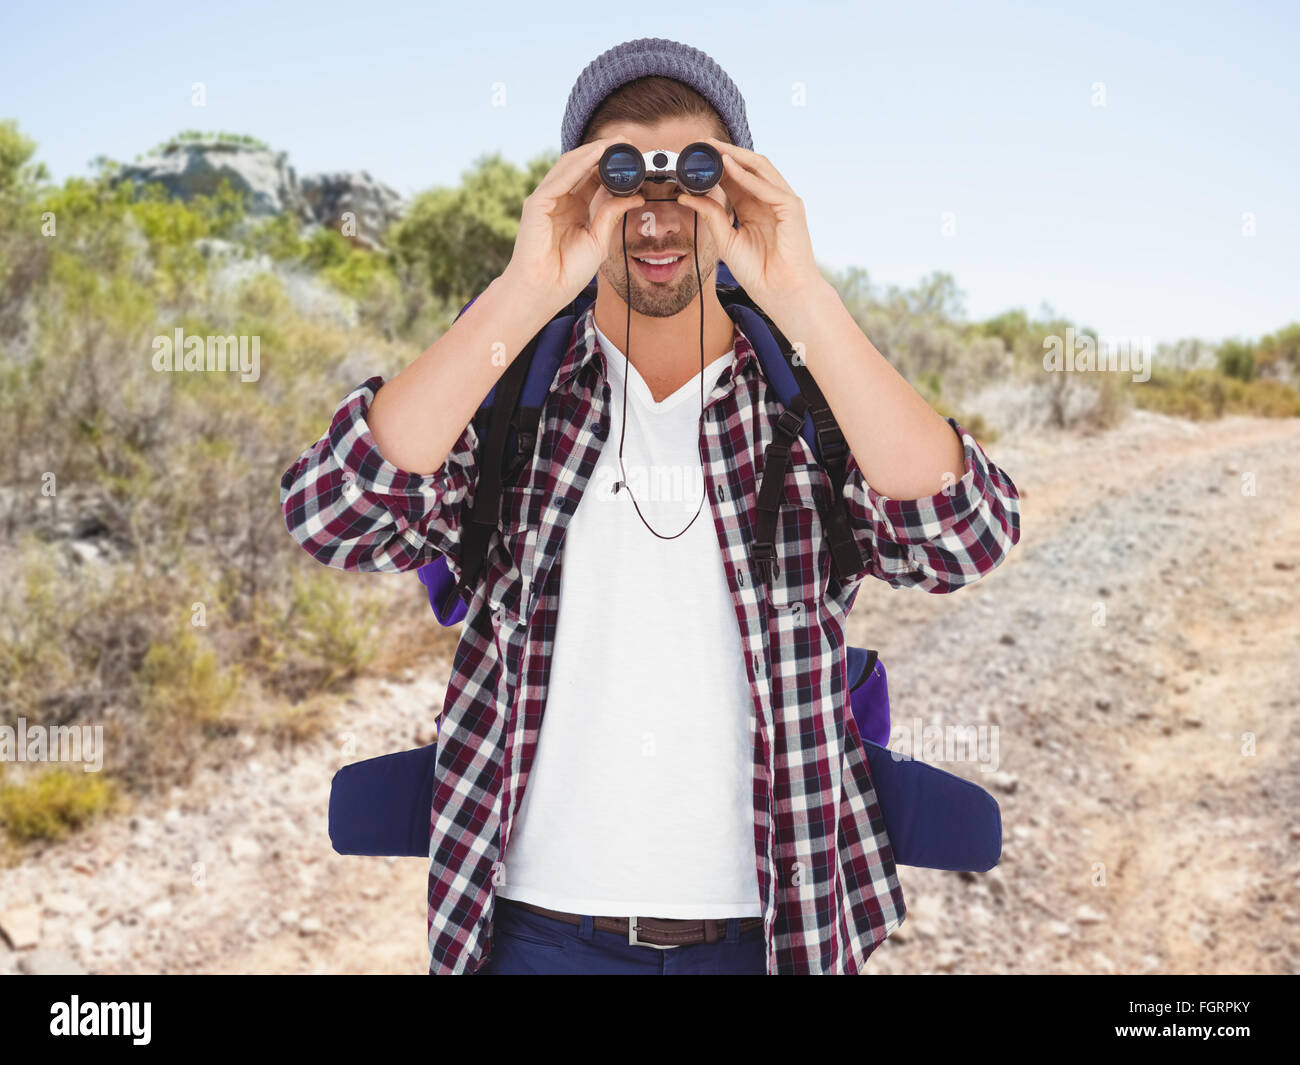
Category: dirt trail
[1146,766]
[1143,831]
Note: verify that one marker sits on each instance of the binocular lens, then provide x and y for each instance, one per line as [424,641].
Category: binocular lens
[701,168]
[622,170]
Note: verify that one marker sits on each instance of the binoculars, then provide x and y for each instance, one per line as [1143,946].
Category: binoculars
[696,168]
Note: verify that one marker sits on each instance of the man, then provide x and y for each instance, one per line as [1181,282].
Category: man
[646,761]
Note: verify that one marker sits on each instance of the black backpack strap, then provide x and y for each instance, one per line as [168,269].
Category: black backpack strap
[524,422]
[833,450]
[486,513]
[846,557]
[762,549]
[506,422]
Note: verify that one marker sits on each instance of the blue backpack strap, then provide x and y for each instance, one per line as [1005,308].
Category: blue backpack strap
[775,367]
[808,414]
[507,421]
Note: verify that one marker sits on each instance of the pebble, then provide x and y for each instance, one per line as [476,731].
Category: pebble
[1006,782]
[241,847]
[161,908]
[49,963]
[66,905]
[21,925]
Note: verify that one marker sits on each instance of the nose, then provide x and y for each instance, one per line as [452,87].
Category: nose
[664,219]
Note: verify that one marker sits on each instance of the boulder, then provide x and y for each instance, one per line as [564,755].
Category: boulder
[350,202]
[354,204]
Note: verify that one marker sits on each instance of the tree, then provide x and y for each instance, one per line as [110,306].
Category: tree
[937,294]
[1011,327]
[462,238]
[1278,349]
[16,152]
[1237,359]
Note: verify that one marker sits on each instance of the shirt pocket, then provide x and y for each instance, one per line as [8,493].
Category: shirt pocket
[795,592]
[515,558]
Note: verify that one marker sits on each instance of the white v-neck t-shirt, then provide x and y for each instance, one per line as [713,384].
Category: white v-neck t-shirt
[640,798]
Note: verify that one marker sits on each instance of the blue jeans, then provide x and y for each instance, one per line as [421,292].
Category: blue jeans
[525,943]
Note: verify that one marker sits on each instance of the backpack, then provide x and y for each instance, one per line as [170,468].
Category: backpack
[935,819]
[507,424]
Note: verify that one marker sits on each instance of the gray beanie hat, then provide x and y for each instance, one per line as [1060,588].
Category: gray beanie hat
[646,57]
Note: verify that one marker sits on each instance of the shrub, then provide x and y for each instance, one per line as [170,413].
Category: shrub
[183,684]
[1279,352]
[1237,359]
[1202,394]
[190,135]
[50,802]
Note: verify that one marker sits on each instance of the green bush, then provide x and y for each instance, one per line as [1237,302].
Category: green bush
[1199,395]
[183,684]
[190,135]
[49,803]
[279,236]
[330,633]
[1237,359]
[1279,349]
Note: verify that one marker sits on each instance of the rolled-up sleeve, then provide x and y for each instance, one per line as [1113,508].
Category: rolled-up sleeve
[941,542]
[351,509]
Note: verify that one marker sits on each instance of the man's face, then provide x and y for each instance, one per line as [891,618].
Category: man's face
[660,229]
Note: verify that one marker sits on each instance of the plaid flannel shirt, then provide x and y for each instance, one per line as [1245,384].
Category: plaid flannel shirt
[825,873]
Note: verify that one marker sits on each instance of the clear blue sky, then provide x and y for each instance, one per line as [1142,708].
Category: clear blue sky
[1127,218]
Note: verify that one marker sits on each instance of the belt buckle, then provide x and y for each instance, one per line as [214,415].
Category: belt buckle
[633,941]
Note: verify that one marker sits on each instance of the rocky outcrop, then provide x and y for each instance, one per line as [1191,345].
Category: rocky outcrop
[350,202]
[354,204]
[196,168]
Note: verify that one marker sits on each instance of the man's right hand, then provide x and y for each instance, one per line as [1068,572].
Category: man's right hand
[565,229]
[423,417]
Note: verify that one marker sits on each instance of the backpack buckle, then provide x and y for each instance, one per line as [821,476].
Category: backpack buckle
[792,426]
[763,556]
[524,450]
[831,445]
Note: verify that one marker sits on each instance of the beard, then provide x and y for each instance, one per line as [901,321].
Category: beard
[662,299]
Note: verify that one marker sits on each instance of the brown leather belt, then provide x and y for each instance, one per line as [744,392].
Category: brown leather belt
[661,932]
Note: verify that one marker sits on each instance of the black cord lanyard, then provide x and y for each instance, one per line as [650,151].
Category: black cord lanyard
[627,342]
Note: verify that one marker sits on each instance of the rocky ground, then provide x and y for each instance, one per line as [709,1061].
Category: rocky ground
[1137,653]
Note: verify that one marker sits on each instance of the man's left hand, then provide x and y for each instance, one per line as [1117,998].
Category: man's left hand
[770,254]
